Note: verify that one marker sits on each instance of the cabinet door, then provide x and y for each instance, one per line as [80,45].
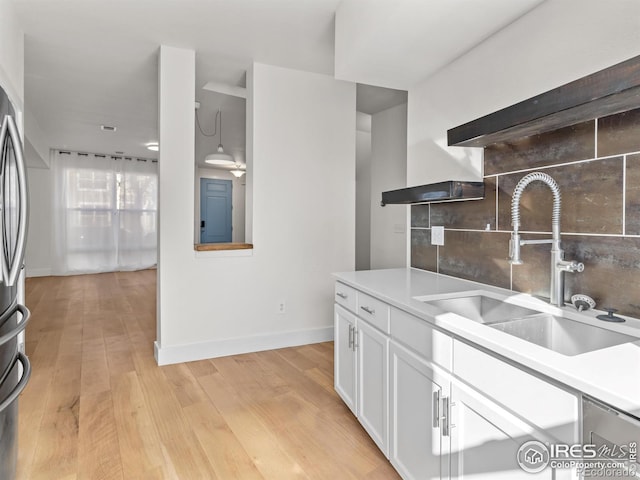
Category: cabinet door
[372,348]
[345,356]
[416,444]
[485,439]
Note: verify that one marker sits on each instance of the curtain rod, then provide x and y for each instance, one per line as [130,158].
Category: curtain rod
[104,155]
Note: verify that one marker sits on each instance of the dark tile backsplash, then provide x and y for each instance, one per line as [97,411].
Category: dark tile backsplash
[423,254]
[600,215]
[472,214]
[568,144]
[420,216]
[632,207]
[476,256]
[612,268]
[590,191]
[619,133]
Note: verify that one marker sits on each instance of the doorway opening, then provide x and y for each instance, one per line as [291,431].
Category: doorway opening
[216,210]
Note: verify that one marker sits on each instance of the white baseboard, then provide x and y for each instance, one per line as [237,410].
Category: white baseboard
[38,272]
[235,346]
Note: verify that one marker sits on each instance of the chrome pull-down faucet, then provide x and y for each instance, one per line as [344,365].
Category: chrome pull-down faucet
[558,264]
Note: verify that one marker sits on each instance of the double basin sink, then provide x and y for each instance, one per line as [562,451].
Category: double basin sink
[557,333]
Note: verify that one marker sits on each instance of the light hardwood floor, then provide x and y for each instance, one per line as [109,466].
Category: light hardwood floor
[98,406]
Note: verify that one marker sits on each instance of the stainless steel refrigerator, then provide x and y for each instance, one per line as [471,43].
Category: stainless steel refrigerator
[14,365]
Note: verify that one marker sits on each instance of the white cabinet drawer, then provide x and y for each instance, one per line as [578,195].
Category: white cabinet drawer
[417,334]
[373,311]
[345,296]
[536,401]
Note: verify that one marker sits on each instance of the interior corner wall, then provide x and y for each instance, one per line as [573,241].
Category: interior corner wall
[237,200]
[388,172]
[38,253]
[363,200]
[303,226]
[557,42]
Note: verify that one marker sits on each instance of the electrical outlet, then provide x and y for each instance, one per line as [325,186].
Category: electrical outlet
[437,235]
[282,307]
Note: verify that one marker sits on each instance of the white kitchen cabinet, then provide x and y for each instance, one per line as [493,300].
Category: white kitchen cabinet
[418,430]
[438,407]
[362,372]
[373,373]
[496,407]
[345,359]
[485,439]
[546,407]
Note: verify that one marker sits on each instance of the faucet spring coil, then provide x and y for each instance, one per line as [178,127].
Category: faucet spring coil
[517,193]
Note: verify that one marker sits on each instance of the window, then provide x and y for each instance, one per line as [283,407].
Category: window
[105,213]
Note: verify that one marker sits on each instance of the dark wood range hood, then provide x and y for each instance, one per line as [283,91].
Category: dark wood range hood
[613,90]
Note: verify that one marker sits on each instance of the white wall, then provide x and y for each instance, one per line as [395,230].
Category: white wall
[363,197]
[388,172]
[237,199]
[12,56]
[38,253]
[558,42]
[36,144]
[300,132]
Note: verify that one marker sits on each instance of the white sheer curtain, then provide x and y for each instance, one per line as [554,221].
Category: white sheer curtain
[105,212]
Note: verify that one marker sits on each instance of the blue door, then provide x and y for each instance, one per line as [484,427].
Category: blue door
[215,210]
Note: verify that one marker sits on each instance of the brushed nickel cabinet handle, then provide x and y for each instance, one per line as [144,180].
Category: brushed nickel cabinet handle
[445,416]
[436,409]
[370,311]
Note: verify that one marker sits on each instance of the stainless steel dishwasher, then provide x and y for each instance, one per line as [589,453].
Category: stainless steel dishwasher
[615,435]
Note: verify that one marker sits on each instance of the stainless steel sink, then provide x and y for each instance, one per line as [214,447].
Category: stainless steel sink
[481,308]
[562,335]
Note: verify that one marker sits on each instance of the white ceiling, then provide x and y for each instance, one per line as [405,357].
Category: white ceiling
[398,43]
[93,62]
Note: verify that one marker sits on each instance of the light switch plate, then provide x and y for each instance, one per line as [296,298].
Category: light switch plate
[437,235]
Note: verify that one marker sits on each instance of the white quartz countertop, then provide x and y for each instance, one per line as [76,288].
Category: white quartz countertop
[611,374]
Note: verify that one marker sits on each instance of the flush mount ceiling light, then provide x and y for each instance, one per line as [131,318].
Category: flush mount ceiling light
[153,146]
[219,157]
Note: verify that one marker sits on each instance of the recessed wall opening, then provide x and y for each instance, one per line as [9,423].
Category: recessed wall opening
[381,164]
[220,187]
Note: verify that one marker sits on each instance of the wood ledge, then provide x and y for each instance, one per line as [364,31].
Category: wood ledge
[211,247]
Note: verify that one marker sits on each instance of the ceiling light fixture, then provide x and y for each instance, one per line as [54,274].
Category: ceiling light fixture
[237,172]
[219,157]
[153,146]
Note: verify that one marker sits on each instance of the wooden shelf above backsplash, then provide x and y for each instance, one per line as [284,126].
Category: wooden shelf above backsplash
[612,90]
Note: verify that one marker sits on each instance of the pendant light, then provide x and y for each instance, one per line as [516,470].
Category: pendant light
[219,157]
[236,172]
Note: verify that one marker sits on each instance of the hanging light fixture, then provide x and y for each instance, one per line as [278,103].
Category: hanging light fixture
[237,172]
[219,157]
